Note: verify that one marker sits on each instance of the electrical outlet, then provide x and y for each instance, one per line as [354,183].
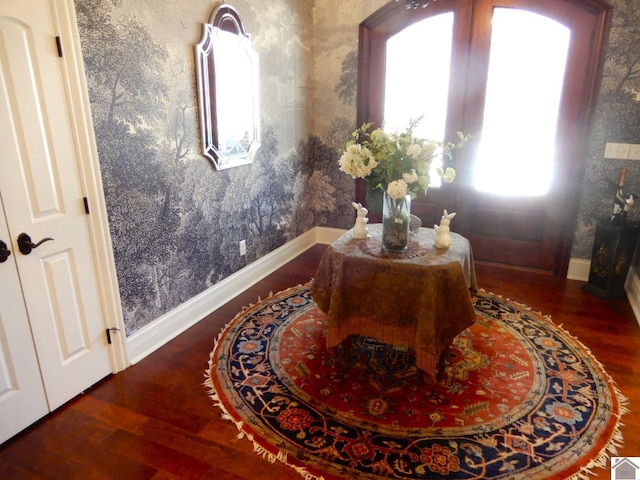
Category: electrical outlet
[617,150]
[243,247]
[634,152]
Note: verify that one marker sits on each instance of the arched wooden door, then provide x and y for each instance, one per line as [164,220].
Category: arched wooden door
[509,221]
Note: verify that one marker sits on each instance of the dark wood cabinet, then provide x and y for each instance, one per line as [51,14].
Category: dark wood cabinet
[613,251]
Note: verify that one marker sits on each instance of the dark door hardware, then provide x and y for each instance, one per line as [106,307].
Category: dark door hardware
[4,252]
[109,330]
[59,45]
[25,245]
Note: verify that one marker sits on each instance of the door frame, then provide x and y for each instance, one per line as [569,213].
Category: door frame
[392,17]
[89,169]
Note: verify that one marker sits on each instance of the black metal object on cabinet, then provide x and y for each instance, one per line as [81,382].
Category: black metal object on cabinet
[611,258]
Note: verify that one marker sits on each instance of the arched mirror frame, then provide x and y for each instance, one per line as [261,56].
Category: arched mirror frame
[228,92]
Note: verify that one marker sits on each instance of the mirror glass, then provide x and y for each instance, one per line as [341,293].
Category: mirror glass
[228,90]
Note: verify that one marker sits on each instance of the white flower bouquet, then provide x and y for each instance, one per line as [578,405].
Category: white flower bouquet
[396,163]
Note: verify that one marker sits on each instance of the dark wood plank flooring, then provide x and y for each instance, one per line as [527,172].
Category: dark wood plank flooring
[155,421]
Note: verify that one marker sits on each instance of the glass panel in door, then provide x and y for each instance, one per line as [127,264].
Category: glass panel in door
[524,87]
[417,80]
[520,76]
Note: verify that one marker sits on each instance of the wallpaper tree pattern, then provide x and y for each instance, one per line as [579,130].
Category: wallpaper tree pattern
[176,222]
[617,119]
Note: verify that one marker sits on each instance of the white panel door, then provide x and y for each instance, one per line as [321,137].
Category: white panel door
[41,190]
[22,396]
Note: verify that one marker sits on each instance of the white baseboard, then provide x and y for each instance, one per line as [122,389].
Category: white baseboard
[579,269]
[156,334]
[632,287]
[153,336]
[327,235]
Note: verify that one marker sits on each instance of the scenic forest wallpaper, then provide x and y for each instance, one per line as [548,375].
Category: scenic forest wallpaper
[617,120]
[176,222]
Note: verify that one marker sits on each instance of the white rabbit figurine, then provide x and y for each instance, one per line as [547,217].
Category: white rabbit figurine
[443,232]
[360,229]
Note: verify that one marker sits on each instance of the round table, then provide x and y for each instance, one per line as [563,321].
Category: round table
[419,299]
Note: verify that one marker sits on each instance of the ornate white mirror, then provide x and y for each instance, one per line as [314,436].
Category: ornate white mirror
[228,90]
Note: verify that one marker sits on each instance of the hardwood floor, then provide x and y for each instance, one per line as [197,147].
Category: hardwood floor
[155,421]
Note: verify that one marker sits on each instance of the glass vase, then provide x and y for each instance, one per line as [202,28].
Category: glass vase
[395,223]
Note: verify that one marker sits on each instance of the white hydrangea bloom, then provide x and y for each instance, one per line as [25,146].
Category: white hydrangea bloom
[410,177]
[357,161]
[379,136]
[448,175]
[397,189]
[414,150]
[429,149]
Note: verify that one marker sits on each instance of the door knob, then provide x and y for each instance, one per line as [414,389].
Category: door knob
[4,252]
[25,245]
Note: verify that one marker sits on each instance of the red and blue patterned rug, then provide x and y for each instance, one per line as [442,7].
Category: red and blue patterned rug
[517,398]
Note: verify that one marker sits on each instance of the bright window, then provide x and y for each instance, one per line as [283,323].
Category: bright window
[417,80]
[526,71]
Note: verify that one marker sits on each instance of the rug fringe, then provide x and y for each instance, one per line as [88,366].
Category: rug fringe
[258,449]
[281,456]
[616,439]
[602,460]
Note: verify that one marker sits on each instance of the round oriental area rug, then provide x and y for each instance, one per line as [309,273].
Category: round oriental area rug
[517,397]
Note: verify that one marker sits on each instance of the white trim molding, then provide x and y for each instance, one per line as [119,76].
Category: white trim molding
[156,334]
[579,269]
[82,127]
